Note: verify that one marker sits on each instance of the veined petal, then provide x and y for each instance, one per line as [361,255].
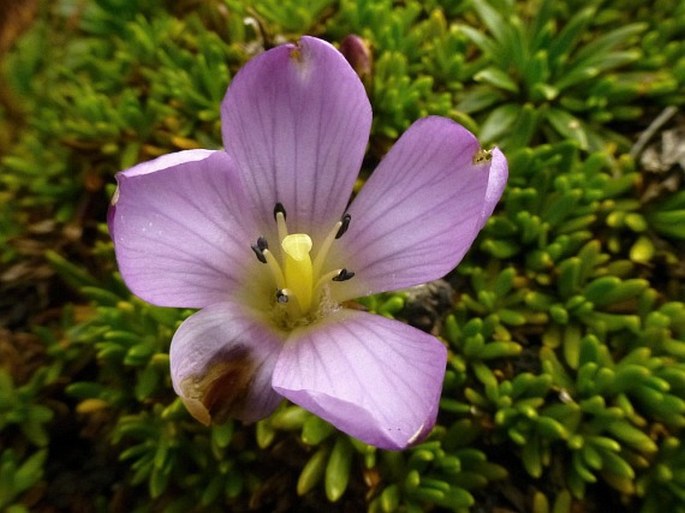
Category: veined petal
[222,358]
[420,210]
[376,379]
[296,120]
[176,232]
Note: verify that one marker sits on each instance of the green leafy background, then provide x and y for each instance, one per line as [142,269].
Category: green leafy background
[565,386]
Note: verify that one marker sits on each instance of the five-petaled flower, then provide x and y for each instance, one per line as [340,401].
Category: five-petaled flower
[260,237]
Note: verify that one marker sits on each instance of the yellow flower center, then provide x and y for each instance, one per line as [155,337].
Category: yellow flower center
[298,278]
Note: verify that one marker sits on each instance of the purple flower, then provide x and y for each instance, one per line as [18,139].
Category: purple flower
[260,237]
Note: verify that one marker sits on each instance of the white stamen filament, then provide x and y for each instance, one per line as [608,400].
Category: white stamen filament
[327,277]
[293,302]
[282,227]
[325,247]
[275,268]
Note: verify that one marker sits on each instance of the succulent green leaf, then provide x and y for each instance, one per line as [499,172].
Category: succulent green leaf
[338,469]
[313,471]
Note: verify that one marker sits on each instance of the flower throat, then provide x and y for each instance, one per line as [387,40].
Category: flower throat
[299,279]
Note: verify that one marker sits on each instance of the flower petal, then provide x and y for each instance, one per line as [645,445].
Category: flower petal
[167,161]
[176,232]
[499,173]
[376,379]
[222,358]
[420,210]
[296,120]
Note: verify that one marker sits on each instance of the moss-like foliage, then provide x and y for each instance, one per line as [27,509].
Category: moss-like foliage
[565,387]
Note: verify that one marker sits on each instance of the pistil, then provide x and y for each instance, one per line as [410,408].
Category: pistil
[298,272]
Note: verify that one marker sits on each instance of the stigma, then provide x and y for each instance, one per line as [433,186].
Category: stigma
[298,269]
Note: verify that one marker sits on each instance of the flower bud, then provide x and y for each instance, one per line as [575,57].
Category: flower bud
[358,54]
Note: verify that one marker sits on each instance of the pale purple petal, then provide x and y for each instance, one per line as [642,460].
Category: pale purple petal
[499,173]
[167,161]
[296,120]
[222,358]
[176,229]
[420,210]
[375,379]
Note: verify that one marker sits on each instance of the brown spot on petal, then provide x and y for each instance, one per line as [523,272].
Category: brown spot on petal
[301,60]
[220,392]
[482,156]
[296,54]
